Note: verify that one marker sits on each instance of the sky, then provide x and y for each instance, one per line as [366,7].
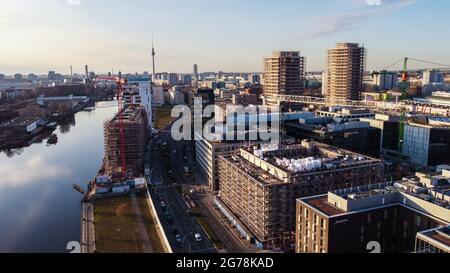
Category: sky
[218,35]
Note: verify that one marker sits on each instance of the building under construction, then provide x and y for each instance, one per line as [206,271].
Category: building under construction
[260,185]
[131,142]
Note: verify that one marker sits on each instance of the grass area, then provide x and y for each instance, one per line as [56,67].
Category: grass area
[212,234]
[116,227]
[163,117]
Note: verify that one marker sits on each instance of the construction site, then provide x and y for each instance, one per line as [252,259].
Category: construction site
[259,185]
[125,136]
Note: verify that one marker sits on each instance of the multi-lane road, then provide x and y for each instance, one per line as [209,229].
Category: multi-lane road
[166,164]
[165,175]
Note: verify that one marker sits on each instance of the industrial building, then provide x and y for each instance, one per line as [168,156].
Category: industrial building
[133,138]
[391,214]
[259,185]
[346,66]
[284,74]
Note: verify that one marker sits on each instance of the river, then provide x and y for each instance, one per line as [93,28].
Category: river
[39,210]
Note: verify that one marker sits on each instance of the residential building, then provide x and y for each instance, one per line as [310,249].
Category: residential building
[138,91]
[135,131]
[259,185]
[346,65]
[284,74]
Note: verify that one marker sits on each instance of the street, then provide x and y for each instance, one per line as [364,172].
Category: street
[165,175]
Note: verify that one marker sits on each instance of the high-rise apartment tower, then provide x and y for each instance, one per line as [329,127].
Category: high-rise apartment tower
[284,74]
[346,65]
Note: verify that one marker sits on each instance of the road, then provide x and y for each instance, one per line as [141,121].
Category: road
[182,156]
[165,175]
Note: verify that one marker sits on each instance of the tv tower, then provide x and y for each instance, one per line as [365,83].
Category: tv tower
[153,58]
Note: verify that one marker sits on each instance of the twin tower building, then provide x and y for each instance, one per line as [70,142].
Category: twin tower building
[284,74]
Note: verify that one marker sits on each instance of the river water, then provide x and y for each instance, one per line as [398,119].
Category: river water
[39,210]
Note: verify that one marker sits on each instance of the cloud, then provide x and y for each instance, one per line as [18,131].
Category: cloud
[36,170]
[330,24]
[73,2]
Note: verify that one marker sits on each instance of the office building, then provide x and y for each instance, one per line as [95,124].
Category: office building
[436,240]
[385,80]
[173,79]
[196,75]
[207,158]
[284,74]
[255,79]
[18,77]
[391,214]
[426,141]
[342,132]
[187,80]
[390,130]
[433,77]
[259,185]
[346,65]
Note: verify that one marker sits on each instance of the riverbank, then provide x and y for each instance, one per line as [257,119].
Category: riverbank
[124,224]
[39,208]
[43,128]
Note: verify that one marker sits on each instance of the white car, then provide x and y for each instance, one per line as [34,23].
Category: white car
[198,237]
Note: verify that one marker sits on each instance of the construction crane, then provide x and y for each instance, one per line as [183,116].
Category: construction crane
[119,93]
[404,84]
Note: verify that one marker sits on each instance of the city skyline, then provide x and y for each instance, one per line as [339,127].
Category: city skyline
[232,37]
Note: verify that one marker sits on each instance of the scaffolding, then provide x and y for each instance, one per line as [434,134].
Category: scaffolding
[134,122]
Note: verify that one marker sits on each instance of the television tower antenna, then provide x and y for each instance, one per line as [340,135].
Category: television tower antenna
[153,59]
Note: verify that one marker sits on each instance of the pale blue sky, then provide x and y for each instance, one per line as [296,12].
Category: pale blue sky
[233,35]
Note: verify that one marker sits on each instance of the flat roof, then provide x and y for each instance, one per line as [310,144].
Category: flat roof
[441,235]
[321,203]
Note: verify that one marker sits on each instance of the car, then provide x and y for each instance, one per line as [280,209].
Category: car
[178,239]
[163,204]
[198,237]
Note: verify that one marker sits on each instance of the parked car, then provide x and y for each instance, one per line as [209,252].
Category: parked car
[178,239]
[198,237]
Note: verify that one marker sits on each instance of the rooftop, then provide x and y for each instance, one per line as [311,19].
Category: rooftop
[130,114]
[19,121]
[428,193]
[271,164]
[440,235]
